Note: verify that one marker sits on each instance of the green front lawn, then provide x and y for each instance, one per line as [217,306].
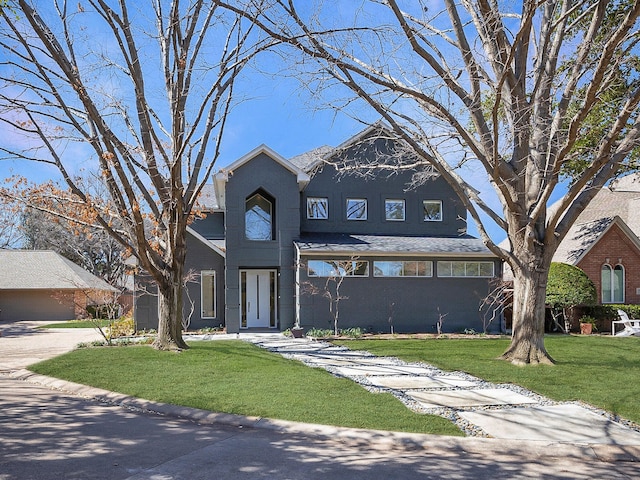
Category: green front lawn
[78,324]
[600,370]
[237,377]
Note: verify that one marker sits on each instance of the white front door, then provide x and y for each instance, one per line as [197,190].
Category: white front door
[258,298]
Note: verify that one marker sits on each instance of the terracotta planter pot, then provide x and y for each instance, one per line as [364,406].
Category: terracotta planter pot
[586,328]
[297,332]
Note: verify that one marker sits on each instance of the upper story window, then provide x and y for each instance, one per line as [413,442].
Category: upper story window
[258,218]
[337,268]
[317,208]
[432,210]
[612,284]
[394,210]
[356,208]
[465,269]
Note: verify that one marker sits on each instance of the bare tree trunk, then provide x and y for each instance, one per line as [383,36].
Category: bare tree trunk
[170,316]
[170,295]
[527,342]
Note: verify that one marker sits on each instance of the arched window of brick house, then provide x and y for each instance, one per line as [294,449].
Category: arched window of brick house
[612,281]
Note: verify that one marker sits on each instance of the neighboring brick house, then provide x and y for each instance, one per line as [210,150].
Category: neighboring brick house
[604,242]
[277,229]
[43,285]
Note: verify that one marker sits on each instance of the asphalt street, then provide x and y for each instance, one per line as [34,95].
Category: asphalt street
[48,433]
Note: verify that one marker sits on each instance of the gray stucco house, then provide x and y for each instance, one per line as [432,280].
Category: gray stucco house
[276,230]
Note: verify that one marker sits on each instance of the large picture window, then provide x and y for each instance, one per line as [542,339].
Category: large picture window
[317,208]
[394,210]
[208,294]
[258,218]
[612,284]
[402,268]
[465,269]
[337,268]
[432,210]
[356,208]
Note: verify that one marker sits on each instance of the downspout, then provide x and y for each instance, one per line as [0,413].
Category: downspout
[297,292]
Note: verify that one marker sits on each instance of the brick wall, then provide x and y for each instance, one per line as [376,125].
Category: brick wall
[614,245]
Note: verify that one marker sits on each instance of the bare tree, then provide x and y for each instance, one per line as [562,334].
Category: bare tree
[143,90]
[339,270]
[50,218]
[10,234]
[504,90]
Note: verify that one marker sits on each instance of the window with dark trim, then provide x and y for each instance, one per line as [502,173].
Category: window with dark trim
[394,210]
[356,208]
[259,218]
[402,268]
[208,294]
[432,210]
[337,268]
[612,280]
[459,268]
[317,208]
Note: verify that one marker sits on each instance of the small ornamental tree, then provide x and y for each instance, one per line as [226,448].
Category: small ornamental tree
[567,287]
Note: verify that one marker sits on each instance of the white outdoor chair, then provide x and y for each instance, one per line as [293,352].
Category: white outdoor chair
[631,325]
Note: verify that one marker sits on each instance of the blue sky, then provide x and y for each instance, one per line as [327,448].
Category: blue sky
[277,112]
[278,115]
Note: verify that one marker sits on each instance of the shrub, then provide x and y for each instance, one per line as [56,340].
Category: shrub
[123,327]
[319,332]
[568,287]
[105,311]
[354,332]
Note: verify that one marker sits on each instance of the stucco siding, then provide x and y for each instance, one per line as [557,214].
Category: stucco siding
[211,226]
[269,177]
[199,257]
[409,304]
[337,188]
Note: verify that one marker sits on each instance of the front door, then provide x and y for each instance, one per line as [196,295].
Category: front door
[258,298]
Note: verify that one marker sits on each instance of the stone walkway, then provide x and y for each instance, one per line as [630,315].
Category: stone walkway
[478,407]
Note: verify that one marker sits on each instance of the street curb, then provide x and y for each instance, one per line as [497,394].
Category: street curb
[372,439]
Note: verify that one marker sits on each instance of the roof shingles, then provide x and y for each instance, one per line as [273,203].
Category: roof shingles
[345,244]
[44,269]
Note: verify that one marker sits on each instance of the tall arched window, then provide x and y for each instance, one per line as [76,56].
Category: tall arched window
[258,218]
[612,280]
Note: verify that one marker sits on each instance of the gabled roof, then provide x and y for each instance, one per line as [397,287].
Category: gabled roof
[217,246]
[377,127]
[308,161]
[586,235]
[346,244]
[221,178]
[45,270]
[618,204]
[207,199]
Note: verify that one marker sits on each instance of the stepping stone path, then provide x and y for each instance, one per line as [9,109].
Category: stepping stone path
[478,407]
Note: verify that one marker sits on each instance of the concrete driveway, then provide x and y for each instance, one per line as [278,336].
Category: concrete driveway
[48,434]
[23,343]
